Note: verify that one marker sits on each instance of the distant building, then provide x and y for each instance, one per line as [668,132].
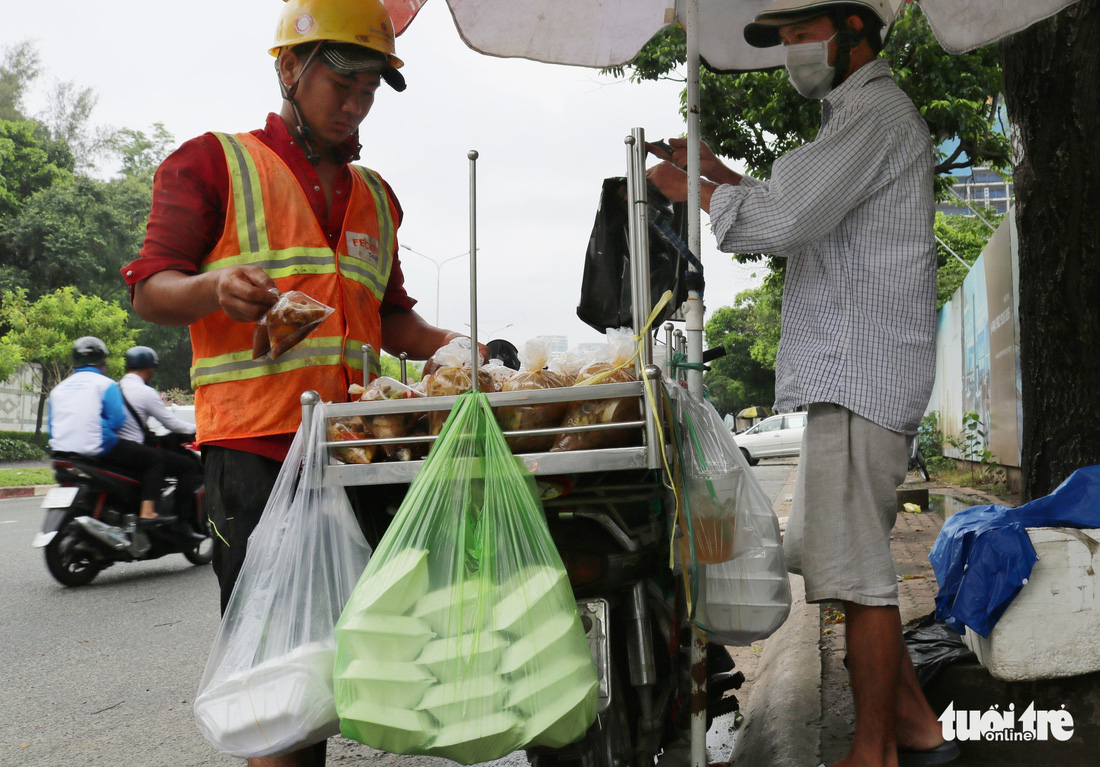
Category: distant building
[982,188]
[558,344]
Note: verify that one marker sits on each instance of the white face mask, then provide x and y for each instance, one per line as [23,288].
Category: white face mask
[809,70]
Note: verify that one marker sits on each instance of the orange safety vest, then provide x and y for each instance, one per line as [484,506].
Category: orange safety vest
[269,223]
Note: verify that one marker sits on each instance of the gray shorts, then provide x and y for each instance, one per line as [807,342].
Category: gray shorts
[844,507]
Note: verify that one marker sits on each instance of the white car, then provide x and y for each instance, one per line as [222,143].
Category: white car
[777,437]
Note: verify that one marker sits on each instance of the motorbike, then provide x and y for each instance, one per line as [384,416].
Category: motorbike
[92,521]
[616,551]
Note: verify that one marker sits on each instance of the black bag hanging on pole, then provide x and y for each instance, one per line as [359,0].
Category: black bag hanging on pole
[605,287]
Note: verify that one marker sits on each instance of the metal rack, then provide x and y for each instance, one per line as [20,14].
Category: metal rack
[646,455]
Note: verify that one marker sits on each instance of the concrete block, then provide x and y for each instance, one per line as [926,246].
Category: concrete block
[1050,628]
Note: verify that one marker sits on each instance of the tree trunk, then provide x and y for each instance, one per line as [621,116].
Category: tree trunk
[1052,91]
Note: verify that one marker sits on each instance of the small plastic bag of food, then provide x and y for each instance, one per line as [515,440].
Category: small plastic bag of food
[532,375]
[390,425]
[347,428]
[568,364]
[499,372]
[616,368]
[293,317]
[447,373]
[455,353]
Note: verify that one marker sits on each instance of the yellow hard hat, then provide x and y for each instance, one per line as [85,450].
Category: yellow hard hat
[355,22]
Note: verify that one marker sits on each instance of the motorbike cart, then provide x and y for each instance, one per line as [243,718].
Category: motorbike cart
[91,522]
[610,514]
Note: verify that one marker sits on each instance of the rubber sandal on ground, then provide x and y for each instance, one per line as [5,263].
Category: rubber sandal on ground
[948,751]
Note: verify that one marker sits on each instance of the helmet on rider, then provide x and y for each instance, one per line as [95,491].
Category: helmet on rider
[877,15]
[89,350]
[141,358]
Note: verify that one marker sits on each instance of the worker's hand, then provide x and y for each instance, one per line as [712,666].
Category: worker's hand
[670,180]
[245,292]
[709,164]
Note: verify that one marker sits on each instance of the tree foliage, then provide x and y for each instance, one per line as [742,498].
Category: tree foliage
[966,236]
[757,116]
[19,67]
[739,380]
[43,332]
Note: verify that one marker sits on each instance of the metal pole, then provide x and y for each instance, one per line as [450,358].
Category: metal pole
[366,349]
[404,357]
[693,310]
[949,250]
[472,154]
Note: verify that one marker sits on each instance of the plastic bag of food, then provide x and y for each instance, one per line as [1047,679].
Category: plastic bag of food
[566,365]
[615,368]
[347,428]
[529,377]
[267,687]
[455,353]
[462,638]
[499,372]
[735,557]
[293,317]
[450,366]
[390,425]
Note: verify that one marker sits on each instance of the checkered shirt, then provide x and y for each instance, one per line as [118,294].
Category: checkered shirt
[852,211]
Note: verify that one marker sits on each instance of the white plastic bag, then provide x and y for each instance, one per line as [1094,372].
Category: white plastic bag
[267,688]
[742,591]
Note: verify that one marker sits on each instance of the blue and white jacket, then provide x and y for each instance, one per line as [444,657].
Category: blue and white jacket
[86,412]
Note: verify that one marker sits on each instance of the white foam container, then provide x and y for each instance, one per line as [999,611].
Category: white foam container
[1050,628]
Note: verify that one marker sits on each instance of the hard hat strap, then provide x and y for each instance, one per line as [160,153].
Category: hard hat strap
[289,91]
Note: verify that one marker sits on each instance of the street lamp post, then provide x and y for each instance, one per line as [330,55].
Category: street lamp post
[438,272]
[494,332]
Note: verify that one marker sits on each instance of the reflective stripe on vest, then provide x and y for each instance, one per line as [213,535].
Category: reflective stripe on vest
[239,366]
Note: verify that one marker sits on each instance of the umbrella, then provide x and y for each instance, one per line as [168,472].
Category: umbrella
[606,33]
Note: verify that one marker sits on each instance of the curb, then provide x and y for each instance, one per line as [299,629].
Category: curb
[784,705]
[27,491]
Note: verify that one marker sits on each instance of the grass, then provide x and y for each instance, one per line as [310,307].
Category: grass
[21,477]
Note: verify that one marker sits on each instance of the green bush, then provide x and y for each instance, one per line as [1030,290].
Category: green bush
[15,449]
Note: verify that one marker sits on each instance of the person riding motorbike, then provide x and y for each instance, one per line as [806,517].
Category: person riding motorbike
[142,401]
[86,414]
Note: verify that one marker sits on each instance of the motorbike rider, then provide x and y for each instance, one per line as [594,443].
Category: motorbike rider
[86,414]
[142,401]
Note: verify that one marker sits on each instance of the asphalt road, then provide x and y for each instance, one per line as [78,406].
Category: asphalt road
[105,675]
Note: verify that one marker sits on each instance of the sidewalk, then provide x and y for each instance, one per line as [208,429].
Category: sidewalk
[796,701]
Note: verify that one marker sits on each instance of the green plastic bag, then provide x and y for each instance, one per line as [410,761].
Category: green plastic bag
[462,637]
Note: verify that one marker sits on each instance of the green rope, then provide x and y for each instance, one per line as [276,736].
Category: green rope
[679,362]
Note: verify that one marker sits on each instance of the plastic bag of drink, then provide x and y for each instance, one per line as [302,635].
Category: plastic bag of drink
[734,552]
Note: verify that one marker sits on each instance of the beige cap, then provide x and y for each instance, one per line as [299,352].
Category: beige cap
[763,32]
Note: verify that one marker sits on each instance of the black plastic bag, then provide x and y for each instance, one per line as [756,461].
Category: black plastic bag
[933,646]
[605,288]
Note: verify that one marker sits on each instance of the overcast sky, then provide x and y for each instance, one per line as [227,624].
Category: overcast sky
[547,136]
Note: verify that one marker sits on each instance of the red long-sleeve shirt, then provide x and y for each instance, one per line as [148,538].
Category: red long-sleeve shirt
[190,196]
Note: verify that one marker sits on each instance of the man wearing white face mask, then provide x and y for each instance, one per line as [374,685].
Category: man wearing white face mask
[852,211]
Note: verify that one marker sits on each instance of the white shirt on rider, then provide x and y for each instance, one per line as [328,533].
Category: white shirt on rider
[147,402]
